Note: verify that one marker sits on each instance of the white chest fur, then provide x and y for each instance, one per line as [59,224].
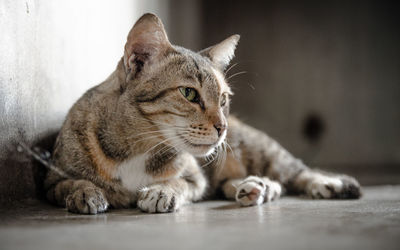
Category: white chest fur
[132,173]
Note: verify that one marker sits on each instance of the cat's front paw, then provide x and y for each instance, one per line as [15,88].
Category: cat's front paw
[337,187]
[255,190]
[88,200]
[158,199]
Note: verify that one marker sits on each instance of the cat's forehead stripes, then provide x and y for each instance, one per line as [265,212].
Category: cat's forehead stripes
[200,72]
[182,68]
[210,78]
[199,75]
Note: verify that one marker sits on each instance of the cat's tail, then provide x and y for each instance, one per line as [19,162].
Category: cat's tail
[43,156]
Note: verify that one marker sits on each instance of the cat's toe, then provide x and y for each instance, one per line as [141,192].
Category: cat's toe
[157,200]
[340,187]
[87,201]
[167,202]
[324,187]
[251,191]
[273,191]
[351,188]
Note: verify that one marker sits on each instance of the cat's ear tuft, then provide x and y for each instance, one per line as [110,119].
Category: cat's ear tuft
[147,42]
[222,53]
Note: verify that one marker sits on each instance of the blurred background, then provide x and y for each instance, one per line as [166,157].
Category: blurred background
[321,77]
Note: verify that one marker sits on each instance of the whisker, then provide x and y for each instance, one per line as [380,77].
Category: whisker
[233,152]
[163,141]
[142,119]
[145,138]
[208,162]
[236,74]
[161,131]
[176,148]
[221,159]
[159,123]
[232,66]
[170,146]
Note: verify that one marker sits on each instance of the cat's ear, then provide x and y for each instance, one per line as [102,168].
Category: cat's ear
[147,42]
[222,53]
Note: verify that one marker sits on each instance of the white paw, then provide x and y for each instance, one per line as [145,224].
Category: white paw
[158,199]
[254,191]
[336,187]
[325,187]
[87,200]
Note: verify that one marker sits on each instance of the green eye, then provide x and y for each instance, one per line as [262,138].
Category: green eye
[190,94]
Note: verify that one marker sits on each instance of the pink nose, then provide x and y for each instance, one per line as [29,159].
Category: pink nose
[220,128]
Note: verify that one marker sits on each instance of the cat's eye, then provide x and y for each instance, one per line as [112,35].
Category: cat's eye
[190,94]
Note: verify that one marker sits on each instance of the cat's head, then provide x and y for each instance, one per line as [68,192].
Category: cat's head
[182,93]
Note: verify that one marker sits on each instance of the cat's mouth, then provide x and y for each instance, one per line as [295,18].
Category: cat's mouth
[200,148]
[197,145]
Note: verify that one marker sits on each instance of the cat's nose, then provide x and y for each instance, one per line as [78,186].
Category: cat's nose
[220,128]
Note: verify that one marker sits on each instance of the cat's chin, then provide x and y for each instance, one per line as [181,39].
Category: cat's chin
[204,153]
[200,150]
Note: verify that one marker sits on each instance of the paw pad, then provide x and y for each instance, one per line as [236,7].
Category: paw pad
[254,191]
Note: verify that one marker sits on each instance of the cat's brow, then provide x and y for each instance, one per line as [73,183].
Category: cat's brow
[201,76]
[197,73]
[198,79]
[196,65]
[160,94]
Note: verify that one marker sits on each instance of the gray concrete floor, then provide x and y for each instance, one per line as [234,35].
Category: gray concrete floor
[290,223]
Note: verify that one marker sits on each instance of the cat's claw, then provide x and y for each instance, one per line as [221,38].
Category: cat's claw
[87,200]
[158,199]
[254,191]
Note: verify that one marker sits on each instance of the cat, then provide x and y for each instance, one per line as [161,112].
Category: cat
[157,134]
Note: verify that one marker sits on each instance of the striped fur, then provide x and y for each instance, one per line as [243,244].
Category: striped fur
[136,140]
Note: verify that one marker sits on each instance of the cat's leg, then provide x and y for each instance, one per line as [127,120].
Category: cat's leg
[252,190]
[78,196]
[298,178]
[264,156]
[318,184]
[170,195]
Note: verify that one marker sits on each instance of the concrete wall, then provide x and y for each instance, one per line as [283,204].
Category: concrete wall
[51,52]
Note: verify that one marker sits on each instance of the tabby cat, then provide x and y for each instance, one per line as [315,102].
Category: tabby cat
[157,134]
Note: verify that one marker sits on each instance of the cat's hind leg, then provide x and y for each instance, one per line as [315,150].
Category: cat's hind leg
[252,190]
[257,148]
[322,185]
